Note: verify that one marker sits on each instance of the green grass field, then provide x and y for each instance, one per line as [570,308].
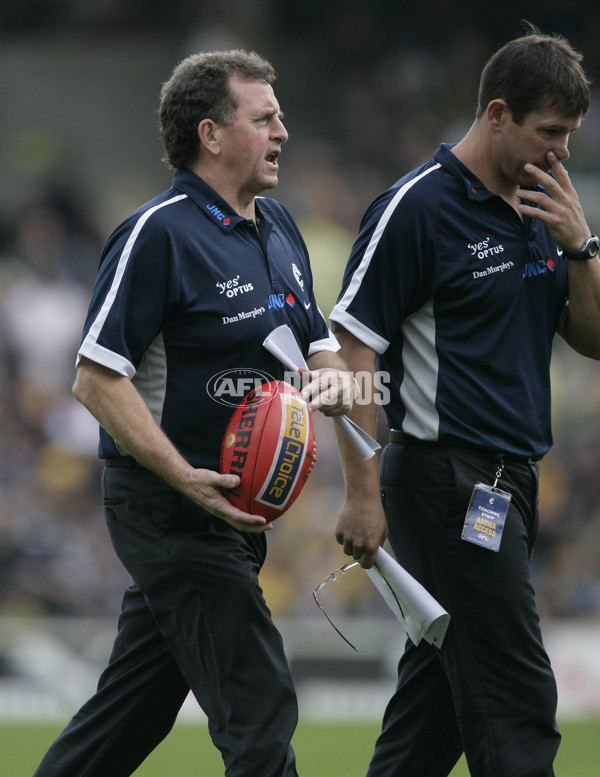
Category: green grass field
[322,750]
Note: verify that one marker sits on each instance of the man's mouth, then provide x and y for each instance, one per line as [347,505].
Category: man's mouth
[272,158]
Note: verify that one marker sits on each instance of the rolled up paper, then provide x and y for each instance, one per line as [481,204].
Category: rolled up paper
[282,344]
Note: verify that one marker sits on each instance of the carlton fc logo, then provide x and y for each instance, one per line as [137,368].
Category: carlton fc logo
[297,275]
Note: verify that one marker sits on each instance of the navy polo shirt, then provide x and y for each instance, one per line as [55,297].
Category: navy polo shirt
[186,290]
[461,299]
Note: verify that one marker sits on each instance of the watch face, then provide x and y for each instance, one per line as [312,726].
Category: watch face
[593,246]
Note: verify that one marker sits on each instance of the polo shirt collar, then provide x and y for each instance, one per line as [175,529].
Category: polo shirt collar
[476,190]
[207,199]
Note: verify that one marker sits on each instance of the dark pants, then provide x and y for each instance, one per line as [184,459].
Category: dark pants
[196,619]
[490,691]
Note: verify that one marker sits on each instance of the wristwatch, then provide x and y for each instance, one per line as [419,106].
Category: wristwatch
[589,250]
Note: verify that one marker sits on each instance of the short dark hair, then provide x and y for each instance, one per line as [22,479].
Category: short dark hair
[535,71]
[199,89]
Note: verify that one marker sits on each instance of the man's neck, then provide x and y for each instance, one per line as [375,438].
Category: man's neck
[243,206]
[478,155]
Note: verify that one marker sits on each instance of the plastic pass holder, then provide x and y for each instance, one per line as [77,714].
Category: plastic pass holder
[486,515]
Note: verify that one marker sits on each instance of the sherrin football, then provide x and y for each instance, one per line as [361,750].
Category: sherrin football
[270,444]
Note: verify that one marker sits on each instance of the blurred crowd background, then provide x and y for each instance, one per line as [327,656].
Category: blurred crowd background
[369,90]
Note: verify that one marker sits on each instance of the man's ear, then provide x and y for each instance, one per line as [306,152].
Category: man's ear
[209,133]
[498,114]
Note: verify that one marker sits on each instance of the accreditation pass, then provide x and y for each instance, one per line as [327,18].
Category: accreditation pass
[486,515]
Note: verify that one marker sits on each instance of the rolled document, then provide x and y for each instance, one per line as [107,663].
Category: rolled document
[418,612]
[282,344]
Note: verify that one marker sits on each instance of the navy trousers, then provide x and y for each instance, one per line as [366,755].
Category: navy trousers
[195,618]
[490,691]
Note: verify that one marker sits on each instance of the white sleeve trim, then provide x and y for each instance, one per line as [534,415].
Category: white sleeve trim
[339,313]
[89,344]
[380,227]
[358,329]
[327,344]
[101,355]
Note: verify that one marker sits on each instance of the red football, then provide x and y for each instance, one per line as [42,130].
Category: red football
[270,443]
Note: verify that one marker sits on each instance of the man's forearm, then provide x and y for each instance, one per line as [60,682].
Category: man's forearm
[117,406]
